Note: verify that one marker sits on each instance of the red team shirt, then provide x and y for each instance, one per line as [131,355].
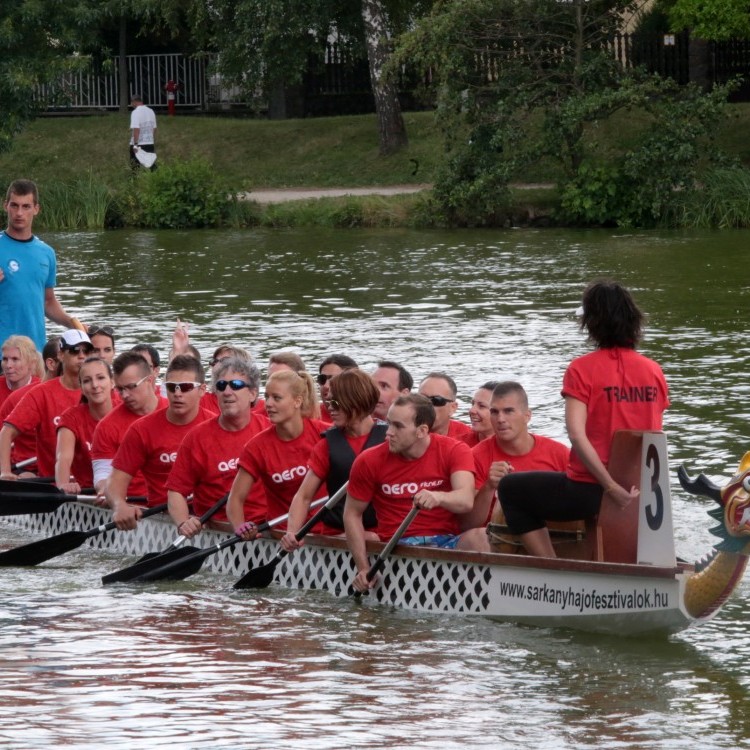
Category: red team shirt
[150,446]
[546,455]
[24,445]
[282,464]
[80,422]
[622,390]
[39,411]
[5,391]
[207,464]
[458,430]
[110,432]
[390,481]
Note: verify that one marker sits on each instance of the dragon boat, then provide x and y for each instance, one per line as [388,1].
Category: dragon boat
[620,576]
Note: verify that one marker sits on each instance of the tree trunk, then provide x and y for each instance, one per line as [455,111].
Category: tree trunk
[390,122]
[122,62]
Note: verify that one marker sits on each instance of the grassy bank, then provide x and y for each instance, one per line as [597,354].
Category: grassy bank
[81,165]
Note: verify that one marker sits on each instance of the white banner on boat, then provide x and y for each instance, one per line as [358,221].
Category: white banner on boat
[655,533]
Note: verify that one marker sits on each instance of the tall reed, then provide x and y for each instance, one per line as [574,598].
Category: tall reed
[722,201]
[84,203]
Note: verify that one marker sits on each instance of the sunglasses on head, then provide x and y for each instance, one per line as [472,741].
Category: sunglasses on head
[181,387]
[440,400]
[323,379]
[235,385]
[94,330]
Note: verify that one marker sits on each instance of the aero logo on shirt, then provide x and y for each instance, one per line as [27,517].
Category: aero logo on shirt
[230,465]
[409,488]
[168,458]
[289,474]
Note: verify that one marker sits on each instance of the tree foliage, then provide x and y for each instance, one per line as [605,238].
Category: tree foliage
[523,81]
[715,20]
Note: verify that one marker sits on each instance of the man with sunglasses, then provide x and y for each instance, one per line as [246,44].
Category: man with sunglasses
[441,390]
[134,383]
[150,445]
[209,455]
[40,408]
[330,366]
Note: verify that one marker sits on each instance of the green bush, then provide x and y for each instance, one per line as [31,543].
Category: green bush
[178,195]
[86,203]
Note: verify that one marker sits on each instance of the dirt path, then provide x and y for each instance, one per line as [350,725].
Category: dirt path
[299,194]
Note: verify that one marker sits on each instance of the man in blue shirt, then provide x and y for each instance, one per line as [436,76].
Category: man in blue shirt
[28,270]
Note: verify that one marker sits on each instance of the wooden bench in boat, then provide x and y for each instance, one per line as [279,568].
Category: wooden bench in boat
[636,459]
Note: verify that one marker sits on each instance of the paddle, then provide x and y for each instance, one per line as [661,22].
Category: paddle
[24,463]
[379,563]
[191,558]
[260,578]
[154,560]
[45,549]
[19,498]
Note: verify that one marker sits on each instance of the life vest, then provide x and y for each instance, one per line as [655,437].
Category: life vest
[341,458]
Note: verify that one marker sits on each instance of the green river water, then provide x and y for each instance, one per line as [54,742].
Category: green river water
[197,665]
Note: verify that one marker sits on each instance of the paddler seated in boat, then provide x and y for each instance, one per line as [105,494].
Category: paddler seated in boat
[442,391]
[40,408]
[285,361]
[479,415]
[393,380]
[75,431]
[151,354]
[352,398]
[278,456]
[413,467]
[209,455]
[330,366]
[223,353]
[612,388]
[151,444]
[103,341]
[512,447]
[134,382]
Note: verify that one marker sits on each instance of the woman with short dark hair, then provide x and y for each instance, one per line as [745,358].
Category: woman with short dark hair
[612,388]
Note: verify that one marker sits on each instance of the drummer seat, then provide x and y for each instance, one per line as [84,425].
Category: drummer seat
[613,533]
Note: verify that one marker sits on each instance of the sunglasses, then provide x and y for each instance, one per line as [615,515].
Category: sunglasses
[76,350]
[323,379]
[332,404]
[130,387]
[181,387]
[440,400]
[94,330]
[235,385]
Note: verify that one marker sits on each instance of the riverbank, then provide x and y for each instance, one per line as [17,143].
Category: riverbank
[330,166]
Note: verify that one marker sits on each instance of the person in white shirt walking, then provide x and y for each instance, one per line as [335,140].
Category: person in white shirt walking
[142,129]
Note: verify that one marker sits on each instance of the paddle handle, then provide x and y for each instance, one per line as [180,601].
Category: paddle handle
[112,525]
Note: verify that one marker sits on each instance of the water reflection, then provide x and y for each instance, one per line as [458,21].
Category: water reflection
[196,665]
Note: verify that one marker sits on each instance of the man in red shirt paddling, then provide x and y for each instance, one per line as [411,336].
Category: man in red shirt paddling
[413,467]
[150,445]
[441,390]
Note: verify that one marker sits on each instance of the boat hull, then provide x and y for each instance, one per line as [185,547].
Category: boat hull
[601,597]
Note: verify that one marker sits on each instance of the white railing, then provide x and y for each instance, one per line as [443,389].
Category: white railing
[148,75]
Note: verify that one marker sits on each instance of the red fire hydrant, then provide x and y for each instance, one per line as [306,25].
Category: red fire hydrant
[171,88]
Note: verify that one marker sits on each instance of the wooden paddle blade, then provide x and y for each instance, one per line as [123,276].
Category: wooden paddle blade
[147,563]
[44,549]
[259,578]
[22,505]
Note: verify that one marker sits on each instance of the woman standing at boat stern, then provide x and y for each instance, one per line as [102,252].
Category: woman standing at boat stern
[612,388]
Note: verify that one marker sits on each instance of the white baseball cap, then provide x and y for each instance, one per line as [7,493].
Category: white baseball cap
[72,338]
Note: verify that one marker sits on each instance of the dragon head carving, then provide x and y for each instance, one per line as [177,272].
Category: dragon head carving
[733,512]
